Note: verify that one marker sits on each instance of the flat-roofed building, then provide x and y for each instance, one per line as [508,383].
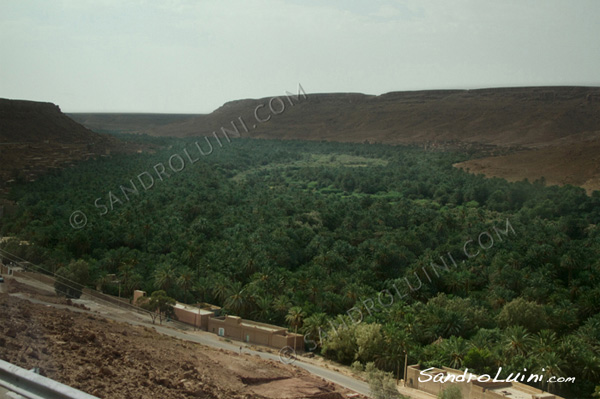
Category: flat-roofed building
[430,381]
[184,313]
[235,327]
[137,294]
[192,315]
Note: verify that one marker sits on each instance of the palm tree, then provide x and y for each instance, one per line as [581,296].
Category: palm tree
[590,366]
[549,364]
[200,289]
[351,294]
[263,311]
[185,282]
[410,321]
[103,281]
[570,262]
[516,341]
[190,254]
[453,351]
[440,322]
[295,318]
[125,276]
[281,305]
[237,302]
[221,289]
[249,267]
[314,324]
[164,277]
[543,342]
[453,282]
[397,342]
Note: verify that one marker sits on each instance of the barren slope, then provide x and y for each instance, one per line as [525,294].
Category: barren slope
[566,120]
[529,116]
[120,361]
[576,163]
[32,122]
[36,137]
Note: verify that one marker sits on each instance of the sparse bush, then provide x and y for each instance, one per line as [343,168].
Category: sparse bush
[340,344]
[369,340]
[381,384]
[357,367]
[452,392]
[71,279]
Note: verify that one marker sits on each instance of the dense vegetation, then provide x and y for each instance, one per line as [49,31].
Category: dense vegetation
[298,233]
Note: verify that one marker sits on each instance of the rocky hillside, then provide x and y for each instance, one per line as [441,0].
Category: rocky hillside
[36,137]
[32,122]
[561,124]
[116,360]
[528,116]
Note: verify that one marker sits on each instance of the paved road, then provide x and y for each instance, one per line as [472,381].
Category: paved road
[201,337]
[213,341]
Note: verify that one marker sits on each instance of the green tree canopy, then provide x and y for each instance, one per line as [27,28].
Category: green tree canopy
[71,279]
[159,305]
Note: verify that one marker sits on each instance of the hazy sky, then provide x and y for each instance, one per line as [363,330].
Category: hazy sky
[192,56]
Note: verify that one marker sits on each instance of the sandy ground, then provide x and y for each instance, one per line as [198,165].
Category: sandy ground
[577,164]
[116,360]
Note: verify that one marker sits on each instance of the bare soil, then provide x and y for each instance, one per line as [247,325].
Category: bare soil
[577,164]
[117,360]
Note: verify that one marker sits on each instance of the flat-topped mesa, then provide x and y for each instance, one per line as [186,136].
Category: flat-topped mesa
[13,107]
[507,117]
[36,137]
[36,122]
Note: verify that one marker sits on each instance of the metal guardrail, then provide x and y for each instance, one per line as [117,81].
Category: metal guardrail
[34,386]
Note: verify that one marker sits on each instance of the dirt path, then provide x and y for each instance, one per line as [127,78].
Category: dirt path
[205,338]
[111,352]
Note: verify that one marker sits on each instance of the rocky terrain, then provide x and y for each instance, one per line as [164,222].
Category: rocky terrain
[117,360]
[561,125]
[524,116]
[556,121]
[37,137]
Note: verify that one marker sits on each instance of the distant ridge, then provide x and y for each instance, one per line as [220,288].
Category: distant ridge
[126,122]
[521,116]
[36,137]
[30,121]
[562,124]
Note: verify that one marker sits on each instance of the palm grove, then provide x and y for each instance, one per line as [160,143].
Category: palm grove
[298,233]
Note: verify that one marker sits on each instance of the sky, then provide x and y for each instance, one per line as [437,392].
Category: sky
[185,56]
